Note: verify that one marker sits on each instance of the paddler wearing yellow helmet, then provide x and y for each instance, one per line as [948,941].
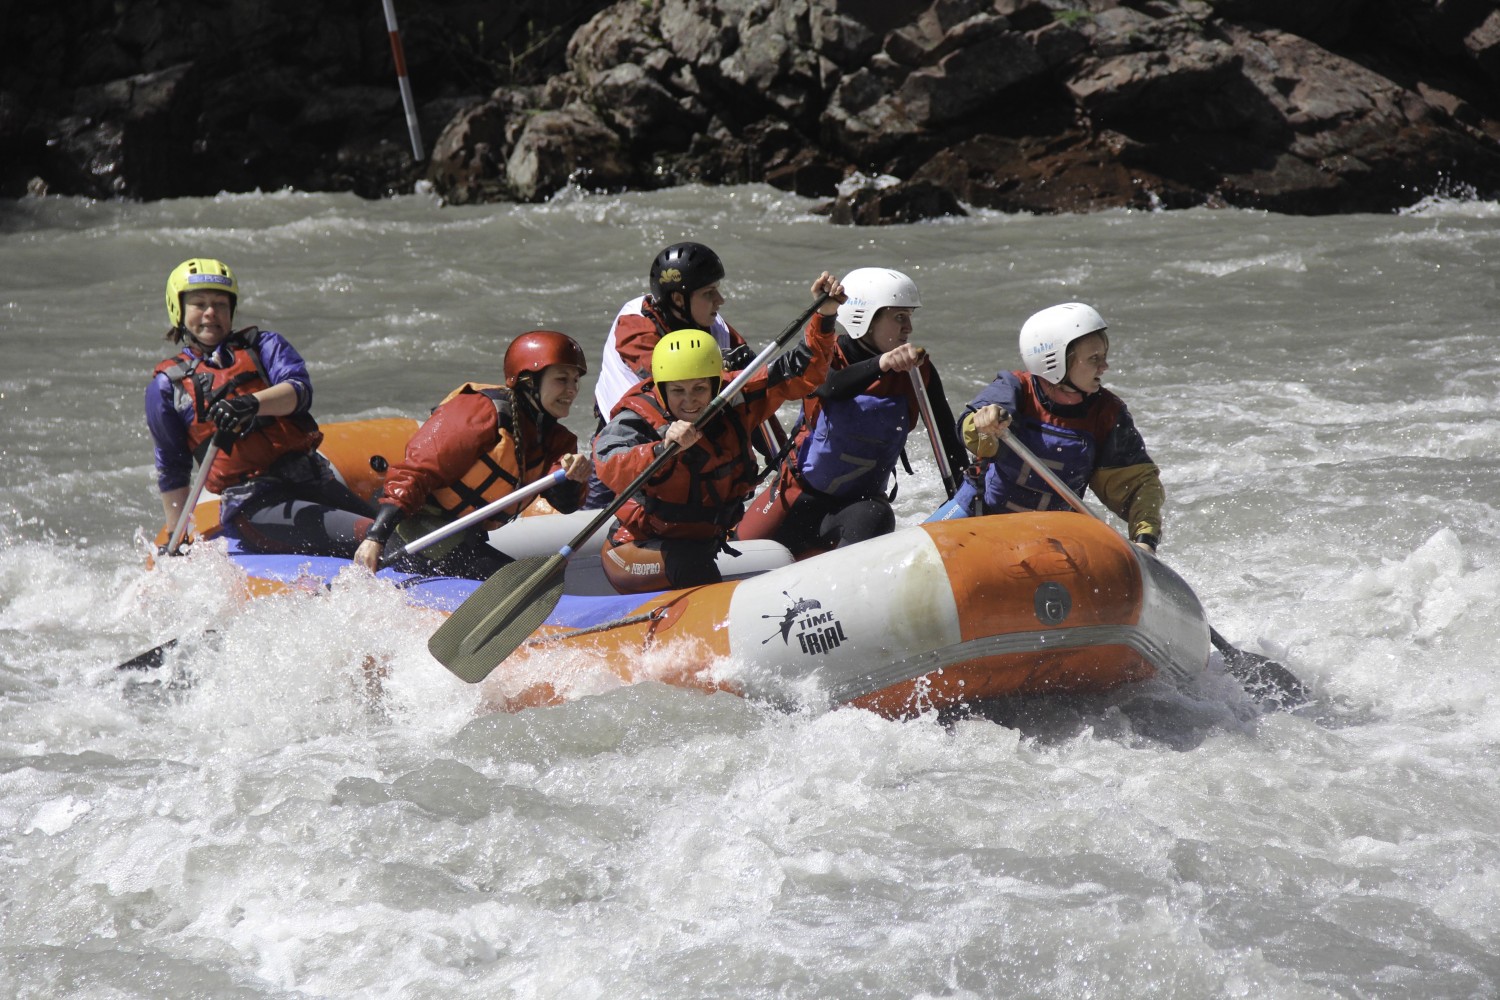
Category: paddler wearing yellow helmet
[669,533]
[236,401]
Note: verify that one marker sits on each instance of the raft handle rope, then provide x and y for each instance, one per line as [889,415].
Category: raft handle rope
[654,615]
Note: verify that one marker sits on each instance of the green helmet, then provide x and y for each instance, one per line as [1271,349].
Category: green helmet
[199,274]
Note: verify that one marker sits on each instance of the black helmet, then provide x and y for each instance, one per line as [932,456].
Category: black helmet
[685,268]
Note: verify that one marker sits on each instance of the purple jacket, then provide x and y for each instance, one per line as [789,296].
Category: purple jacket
[168,411]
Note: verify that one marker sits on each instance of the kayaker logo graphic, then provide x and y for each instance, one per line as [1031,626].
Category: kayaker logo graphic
[817,630]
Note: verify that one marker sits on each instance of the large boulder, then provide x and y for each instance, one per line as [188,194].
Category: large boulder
[559,148]
[1359,141]
[467,165]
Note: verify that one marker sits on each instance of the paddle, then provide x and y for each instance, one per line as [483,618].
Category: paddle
[925,405]
[488,510]
[1263,678]
[513,603]
[153,657]
[200,479]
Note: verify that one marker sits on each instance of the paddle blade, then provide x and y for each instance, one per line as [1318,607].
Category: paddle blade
[1265,680]
[150,659]
[499,616]
[157,655]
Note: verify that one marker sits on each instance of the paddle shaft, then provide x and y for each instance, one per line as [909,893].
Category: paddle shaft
[200,479]
[152,657]
[719,402]
[473,517]
[1055,481]
[925,405]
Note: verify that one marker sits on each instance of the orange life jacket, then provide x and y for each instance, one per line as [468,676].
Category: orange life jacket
[702,492]
[268,439]
[509,464]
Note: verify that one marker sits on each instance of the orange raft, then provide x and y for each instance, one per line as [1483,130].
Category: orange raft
[927,617]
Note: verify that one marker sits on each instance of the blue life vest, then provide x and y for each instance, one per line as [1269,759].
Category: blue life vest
[852,448]
[1009,485]
[1068,444]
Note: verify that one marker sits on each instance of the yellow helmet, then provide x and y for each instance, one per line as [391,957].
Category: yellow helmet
[685,354]
[199,274]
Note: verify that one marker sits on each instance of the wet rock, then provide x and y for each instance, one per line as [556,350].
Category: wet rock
[571,146]
[1358,140]
[1072,172]
[467,165]
[881,204]
[119,141]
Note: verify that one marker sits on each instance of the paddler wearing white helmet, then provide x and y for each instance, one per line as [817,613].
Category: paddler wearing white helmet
[1058,407]
[834,485]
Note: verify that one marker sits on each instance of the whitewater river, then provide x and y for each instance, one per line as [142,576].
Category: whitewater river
[1320,394]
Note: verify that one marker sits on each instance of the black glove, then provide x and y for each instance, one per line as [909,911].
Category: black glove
[737,359]
[235,413]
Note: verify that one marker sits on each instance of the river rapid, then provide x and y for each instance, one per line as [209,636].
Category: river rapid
[254,822]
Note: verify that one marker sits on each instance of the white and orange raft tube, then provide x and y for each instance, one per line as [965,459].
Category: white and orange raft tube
[928,617]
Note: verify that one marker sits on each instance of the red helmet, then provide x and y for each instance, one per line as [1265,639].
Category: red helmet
[534,351]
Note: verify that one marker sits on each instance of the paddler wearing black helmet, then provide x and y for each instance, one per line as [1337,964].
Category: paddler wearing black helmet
[684,294]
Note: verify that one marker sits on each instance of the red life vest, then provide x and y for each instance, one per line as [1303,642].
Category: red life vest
[701,493]
[269,438]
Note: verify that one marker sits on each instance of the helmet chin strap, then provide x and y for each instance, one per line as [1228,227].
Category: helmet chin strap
[1067,383]
[682,319]
[199,345]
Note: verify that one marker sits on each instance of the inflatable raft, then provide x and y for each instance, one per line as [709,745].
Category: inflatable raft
[927,617]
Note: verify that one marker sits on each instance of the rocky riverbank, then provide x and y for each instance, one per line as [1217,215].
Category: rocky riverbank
[889,111]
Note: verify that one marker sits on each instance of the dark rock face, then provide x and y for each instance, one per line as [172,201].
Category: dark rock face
[161,98]
[893,110]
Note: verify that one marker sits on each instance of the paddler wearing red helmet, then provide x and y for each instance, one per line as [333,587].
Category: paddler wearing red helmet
[481,443]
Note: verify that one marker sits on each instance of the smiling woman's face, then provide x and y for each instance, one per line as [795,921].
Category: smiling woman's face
[207,315]
[688,398]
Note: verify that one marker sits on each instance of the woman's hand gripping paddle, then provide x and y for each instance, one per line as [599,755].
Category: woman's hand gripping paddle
[513,603]
[1262,677]
[925,405]
[220,440]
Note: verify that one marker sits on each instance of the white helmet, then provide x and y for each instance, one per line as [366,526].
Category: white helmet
[1046,335]
[871,289]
